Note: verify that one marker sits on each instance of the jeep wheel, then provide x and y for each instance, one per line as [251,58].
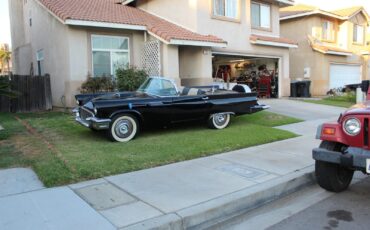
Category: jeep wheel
[123,128]
[332,177]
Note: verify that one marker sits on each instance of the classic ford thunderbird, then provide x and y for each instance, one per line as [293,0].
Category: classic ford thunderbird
[158,101]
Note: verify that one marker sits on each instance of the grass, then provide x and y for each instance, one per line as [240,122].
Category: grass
[346,101]
[75,153]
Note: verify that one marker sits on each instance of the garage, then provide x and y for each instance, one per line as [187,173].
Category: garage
[341,75]
[261,74]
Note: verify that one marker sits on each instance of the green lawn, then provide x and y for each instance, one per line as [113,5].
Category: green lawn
[340,101]
[63,152]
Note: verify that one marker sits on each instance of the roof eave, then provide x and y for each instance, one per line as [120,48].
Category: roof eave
[313,13]
[276,44]
[73,22]
[197,43]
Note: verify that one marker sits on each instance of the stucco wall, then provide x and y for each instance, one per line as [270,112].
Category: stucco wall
[197,16]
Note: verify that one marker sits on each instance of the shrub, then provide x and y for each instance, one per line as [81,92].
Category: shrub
[5,88]
[98,84]
[129,79]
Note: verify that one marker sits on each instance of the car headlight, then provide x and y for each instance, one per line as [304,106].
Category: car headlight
[77,102]
[95,111]
[352,126]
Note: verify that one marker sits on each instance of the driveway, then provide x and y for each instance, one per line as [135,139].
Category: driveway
[302,110]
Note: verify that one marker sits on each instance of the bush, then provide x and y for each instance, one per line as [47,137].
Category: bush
[98,84]
[131,78]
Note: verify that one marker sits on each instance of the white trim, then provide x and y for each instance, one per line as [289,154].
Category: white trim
[126,2]
[73,22]
[244,55]
[311,13]
[338,53]
[197,43]
[287,2]
[278,44]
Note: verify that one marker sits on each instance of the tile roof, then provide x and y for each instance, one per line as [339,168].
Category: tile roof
[112,11]
[255,37]
[296,9]
[347,12]
[322,48]
[301,10]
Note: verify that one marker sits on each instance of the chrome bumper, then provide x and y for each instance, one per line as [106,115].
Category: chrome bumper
[91,122]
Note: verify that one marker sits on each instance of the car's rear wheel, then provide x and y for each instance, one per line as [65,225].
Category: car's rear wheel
[123,128]
[219,120]
[332,177]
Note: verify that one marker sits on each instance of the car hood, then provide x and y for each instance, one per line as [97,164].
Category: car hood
[359,109]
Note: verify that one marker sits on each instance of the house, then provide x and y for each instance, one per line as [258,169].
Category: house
[333,50]
[190,41]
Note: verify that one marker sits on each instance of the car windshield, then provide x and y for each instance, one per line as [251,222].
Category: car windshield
[158,87]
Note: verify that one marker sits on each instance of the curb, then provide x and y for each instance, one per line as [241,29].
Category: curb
[210,213]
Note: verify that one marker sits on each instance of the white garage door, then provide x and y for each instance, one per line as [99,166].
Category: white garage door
[341,75]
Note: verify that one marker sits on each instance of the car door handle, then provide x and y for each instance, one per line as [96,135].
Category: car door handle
[205,98]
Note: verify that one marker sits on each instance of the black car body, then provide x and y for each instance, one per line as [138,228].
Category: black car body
[159,102]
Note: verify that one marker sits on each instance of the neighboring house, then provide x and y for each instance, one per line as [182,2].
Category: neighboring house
[187,40]
[333,50]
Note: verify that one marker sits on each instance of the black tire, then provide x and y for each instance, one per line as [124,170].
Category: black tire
[332,177]
[123,128]
[219,121]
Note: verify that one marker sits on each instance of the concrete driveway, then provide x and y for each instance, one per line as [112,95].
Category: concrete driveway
[302,110]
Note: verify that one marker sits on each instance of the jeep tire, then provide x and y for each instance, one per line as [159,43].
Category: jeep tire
[332,177]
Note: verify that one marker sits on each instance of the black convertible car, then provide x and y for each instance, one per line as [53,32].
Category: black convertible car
[158,101]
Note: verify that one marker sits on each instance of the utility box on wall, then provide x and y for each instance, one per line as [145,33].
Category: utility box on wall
[307,72]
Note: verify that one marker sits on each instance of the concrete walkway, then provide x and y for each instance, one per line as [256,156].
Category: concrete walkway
[191,194]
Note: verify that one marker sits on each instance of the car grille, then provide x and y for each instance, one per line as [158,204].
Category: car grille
[84,114]
[366,132]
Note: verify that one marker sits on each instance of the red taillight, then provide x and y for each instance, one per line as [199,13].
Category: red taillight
[328,131]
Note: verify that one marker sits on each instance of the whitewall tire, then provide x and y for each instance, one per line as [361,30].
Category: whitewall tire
[219,120]
[123,128]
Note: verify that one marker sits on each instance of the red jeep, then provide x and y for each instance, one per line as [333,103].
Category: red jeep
[345,147]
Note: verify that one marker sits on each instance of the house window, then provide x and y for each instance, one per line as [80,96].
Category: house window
[328,33]
[226,8]
[109,53]
[358,34]
[40,62]
[261,15]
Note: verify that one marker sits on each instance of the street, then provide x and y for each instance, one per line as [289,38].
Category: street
[312,208]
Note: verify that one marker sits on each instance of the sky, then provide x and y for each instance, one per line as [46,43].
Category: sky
[4,22]
[323,4]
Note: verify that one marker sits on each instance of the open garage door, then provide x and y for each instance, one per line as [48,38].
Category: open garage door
[261,74]
[341,75]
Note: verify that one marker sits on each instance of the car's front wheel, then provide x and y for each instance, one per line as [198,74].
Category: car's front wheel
[332,177]
[219,120]
[123,128]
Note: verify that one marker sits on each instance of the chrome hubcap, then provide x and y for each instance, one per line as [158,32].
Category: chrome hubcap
[220,119]
[123,128]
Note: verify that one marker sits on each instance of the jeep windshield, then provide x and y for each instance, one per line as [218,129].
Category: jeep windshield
[158,87]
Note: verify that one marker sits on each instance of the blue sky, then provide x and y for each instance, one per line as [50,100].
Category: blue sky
[4,22]
[324,4]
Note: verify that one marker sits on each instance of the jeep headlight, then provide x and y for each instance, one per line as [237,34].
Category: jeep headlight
[352,126]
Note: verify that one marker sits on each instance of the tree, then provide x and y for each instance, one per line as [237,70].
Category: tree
[5,56]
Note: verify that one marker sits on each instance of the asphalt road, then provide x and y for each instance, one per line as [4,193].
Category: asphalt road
[346,210]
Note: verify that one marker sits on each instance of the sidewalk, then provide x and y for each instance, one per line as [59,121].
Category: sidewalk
[190,194]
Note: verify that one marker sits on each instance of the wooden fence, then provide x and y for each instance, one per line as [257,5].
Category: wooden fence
[34,94]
